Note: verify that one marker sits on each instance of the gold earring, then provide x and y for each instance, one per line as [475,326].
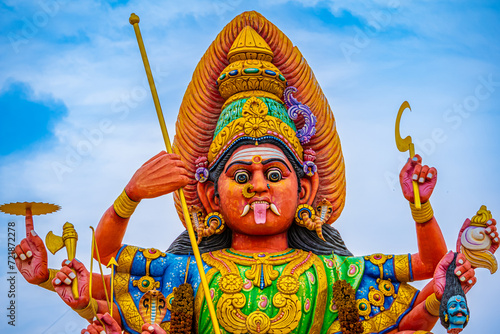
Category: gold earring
[446,318]
[213,224]
[306,216]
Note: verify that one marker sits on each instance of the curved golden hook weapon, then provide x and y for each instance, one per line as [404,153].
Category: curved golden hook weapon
[407,145]
[134,20]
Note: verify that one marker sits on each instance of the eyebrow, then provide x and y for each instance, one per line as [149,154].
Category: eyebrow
[248,163]
[265,162]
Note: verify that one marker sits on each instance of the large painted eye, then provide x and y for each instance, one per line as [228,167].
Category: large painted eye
[274,175]
[241,176]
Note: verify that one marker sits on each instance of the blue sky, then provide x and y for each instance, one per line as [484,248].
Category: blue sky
[77,118]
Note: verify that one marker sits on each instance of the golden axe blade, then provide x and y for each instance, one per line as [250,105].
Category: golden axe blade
[68,239]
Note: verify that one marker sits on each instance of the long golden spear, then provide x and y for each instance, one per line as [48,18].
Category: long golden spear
[134,20]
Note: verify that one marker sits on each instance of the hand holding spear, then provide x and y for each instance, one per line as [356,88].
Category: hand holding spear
[134,20]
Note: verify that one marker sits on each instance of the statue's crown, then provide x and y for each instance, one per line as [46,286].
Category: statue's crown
[250,69]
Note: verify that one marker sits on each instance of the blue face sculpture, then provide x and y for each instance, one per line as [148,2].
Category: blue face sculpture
[457,311]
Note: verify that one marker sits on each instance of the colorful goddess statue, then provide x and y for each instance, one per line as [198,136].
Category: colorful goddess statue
[260,160]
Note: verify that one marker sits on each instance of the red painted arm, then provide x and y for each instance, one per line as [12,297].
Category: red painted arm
[109,234]
[162,174]
[431,248]
[431,244]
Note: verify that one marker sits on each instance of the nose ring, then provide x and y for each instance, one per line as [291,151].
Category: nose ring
[268,186]
[245,191]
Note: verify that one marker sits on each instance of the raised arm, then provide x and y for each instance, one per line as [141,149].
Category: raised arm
[430,240]
[162,174]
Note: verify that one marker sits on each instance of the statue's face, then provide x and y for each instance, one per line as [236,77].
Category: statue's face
[258,191]
[457,310]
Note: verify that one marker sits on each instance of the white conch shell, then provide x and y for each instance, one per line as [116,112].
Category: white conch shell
[475,246]
[475,237]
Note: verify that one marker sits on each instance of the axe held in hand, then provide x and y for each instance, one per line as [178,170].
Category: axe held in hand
[68,239]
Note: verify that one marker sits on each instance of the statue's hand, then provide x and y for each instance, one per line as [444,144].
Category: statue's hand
[94,328]
[493,235]
[464,272]
[147,328]
[111,325]
[31,256]
[425,176]
[63,280]
[162,174]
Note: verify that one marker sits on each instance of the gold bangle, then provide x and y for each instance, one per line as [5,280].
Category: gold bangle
[90,311]
[422,215]
[48,283]
[432,305]
[124,206]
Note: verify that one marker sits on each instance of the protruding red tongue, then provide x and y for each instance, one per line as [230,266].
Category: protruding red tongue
[259,213]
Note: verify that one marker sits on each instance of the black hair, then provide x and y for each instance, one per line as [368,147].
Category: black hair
[452,288]
[298,237]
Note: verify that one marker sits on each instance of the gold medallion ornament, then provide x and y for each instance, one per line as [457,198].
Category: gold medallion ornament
[262,273]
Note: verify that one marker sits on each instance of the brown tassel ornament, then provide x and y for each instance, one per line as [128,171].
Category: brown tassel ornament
[345,300]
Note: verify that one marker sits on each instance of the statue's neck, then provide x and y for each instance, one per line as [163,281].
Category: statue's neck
[259,243]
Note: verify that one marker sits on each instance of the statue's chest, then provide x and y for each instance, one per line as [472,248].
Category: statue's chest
[280,293]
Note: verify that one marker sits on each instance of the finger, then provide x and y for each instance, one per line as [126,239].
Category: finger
[26,248]
[184,171]
[107,319]
[184,180]
[78,266]
[36,241]
[470,283]
[158,329]
[94,329]
[423,174]
[61,278]
[416,159]
[408,167]
[68,272]
[147,328]
[463,265]
[491,229]
[416,172]
[446,261]
[431,173]
[20,253]
[65,263]
[155,157]
[468,275]
[29,222]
